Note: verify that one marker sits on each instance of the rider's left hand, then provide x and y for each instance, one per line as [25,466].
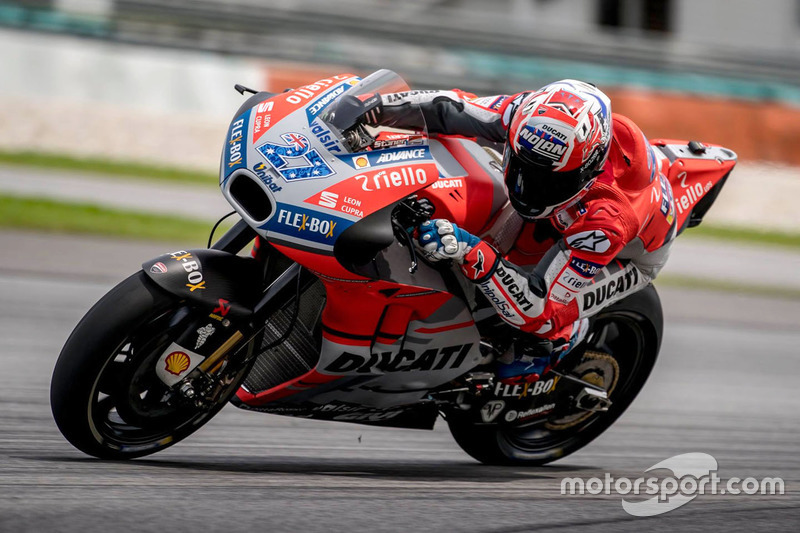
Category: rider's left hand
[440,239]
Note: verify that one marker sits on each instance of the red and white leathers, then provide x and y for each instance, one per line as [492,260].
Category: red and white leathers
[592,252]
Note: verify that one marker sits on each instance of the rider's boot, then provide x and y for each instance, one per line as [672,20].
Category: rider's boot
[534,358]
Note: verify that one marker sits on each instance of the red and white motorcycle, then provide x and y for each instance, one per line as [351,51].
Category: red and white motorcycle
[332,316]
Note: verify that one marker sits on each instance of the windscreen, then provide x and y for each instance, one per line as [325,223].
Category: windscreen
[354,116]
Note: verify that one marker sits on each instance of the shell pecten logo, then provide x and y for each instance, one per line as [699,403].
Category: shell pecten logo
[361,161]
[176,363]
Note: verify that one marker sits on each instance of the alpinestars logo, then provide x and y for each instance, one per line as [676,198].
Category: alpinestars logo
[592,241]
[478,266]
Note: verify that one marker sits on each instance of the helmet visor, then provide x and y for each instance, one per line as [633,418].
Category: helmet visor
[535,190]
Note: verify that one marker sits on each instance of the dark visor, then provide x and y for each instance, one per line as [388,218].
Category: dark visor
[534,188]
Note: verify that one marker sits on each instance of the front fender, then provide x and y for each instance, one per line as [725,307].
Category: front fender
[206,276]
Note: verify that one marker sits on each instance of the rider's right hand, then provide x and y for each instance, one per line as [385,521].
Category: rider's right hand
[440,240]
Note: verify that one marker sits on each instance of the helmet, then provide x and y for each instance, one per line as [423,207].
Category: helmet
[557,144]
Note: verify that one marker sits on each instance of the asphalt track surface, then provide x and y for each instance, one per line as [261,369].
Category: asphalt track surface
[725,384]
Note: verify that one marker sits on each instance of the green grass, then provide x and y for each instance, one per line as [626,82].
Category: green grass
[691,282]
[62,217]
[745,235]
[107,167]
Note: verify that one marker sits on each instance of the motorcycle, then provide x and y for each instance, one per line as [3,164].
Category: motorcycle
[332,316]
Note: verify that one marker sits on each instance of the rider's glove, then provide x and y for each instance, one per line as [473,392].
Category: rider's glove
[440,240]
[362,109]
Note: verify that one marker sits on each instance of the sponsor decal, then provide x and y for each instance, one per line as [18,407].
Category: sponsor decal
[305,224]
[327,138]
[587,269]
[477,266]
[392,140]
[392,156]
[667,203]
[221,311]
[176,363]
[618,285]
[361,161]
[328,199]
[561,294]
[492,410]
[691,195]
[403,361]
[262,119]
[307,92]
[385,157]
[397,97]
[553,132]
[235,153]
[516,416]
[223,308]
[318,106]
[570,278]
[498,103]
[564,219]
[192,268]
[374,416]
[371,189]
[268,179]
[500,304]
[447,183]
[526,390]
[159,268]
[514,290]
[203,334]
[306,163]
[386,179]
[543,144]
[592,241]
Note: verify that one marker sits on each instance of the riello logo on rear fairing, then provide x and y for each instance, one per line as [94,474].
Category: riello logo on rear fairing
[448,357]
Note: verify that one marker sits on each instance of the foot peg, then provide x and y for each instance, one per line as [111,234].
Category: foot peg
[590,399]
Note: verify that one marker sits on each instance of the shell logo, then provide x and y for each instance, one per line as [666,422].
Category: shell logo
[176,363]
[361,161]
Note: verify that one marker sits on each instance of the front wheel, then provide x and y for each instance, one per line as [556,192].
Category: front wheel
[620,353]
[106,397]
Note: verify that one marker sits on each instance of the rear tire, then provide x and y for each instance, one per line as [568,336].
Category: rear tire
[630,333]
[105,396]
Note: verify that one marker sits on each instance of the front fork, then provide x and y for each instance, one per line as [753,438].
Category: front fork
[216,344]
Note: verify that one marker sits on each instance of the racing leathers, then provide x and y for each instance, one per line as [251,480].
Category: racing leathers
[588,254]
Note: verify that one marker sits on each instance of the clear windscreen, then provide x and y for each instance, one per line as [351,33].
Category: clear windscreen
[349,116]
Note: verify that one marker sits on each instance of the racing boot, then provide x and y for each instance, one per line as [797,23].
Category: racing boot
[533,357]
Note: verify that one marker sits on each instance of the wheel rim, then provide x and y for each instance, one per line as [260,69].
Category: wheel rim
[618,336]
[129,408]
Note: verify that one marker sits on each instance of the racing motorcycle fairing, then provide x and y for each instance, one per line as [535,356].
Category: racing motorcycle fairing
[697,173]
[390,333]
[208,277]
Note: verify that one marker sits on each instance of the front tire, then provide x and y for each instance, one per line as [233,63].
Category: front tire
[626,339]
[105,396]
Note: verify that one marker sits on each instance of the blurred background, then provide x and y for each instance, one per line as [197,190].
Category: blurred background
[151,81]
[113,114]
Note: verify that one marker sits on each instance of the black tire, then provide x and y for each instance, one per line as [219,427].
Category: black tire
[637,324]
[104,365]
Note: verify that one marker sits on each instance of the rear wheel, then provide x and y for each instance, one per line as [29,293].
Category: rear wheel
[106,397]
[619,355]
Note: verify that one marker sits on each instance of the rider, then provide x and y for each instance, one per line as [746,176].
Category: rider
[599,216]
